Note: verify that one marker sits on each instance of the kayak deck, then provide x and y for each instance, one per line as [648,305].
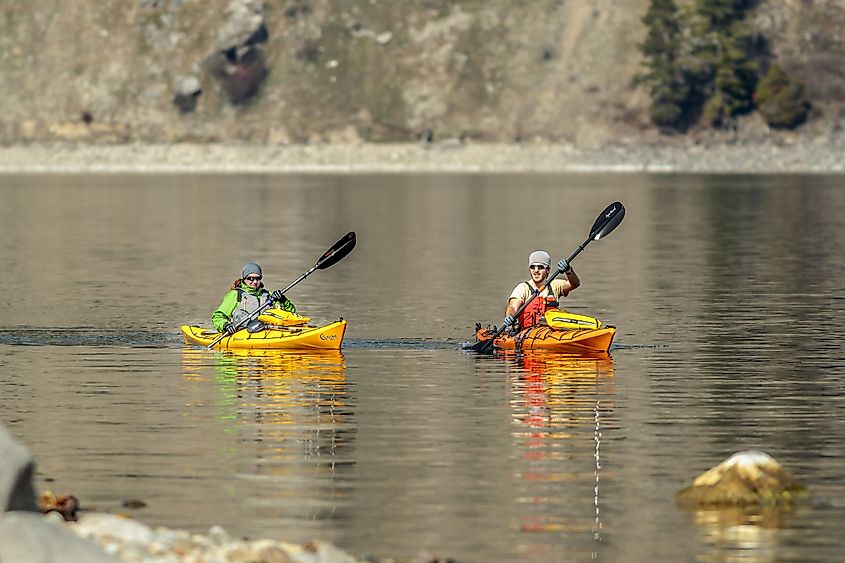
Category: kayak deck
[326,337]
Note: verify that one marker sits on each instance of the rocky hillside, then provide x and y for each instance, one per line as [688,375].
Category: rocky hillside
[359,70]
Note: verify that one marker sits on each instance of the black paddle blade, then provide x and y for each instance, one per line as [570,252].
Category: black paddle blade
[337,252]
[607,221]
[482,346]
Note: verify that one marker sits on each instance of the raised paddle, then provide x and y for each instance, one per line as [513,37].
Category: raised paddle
[605,223]
[332,256]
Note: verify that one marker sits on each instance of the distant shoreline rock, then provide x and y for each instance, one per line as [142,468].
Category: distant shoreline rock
[789,155]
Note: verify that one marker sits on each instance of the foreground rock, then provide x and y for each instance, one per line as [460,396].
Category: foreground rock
[744,479]
[27,536]
[16,467]
[133,541]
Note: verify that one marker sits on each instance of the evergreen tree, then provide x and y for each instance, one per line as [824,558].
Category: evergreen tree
[703,59]
[780,100]
[720,14]
[734,76]
[664,77]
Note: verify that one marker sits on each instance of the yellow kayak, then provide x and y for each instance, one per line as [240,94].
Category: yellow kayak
[288,334]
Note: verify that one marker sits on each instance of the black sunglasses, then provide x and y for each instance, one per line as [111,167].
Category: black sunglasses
[536,267]
[252,278]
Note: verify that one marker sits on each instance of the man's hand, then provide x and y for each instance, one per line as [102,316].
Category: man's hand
[564,266]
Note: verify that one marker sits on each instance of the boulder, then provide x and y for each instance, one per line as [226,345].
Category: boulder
[238,62]
[744,479]
[240,76]
[244,25]
[187,90]
[16,468]
[32,538]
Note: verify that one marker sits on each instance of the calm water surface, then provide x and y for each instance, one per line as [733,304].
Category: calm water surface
[727,292]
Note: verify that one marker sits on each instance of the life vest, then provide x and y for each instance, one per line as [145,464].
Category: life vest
[248,303]
[535,311]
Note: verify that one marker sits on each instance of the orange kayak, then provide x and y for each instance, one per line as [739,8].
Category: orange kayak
[542,337]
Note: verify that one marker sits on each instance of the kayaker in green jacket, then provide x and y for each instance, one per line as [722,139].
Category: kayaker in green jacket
[247,295]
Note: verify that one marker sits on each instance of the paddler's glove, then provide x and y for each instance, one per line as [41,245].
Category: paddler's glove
[564,266]
[229,329]
[278,296]
[508,322]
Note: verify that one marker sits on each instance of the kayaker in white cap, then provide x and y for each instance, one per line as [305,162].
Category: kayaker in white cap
[246,295]
[539,265]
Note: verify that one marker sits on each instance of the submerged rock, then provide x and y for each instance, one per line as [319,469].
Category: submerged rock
[744,479]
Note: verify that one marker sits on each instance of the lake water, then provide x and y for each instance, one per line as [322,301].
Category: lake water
[727,292]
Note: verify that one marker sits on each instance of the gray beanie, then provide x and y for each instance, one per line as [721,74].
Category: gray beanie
[540,257]
[251,268]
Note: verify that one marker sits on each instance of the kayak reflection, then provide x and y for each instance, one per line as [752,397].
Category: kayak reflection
[292,425]
[560,405]
[269,385]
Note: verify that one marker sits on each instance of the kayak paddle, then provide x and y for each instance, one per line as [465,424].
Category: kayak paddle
[332,256]
[605,223]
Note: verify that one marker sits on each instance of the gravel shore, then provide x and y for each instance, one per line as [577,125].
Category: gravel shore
[785,155]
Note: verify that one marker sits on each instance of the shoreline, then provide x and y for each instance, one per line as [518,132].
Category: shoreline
[790,156]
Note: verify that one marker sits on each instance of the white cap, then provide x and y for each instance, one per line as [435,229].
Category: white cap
[540,257]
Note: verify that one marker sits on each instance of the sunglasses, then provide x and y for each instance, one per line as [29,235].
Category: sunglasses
[252,278]
[536,267]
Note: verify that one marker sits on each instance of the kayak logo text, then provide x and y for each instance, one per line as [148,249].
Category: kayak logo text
[328,336]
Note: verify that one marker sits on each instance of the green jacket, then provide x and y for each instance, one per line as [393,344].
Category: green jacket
[223,314]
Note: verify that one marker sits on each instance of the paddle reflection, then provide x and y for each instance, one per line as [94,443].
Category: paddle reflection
[292,422]
[560,404]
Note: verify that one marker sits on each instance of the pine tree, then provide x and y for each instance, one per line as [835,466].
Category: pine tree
[721,61]
[664,77]
[720,14]
[734,76]
[780,100]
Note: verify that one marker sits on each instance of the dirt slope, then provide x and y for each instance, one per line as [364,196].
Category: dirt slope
[372,70]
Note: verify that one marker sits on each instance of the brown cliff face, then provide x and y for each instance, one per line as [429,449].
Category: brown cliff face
[371,70]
